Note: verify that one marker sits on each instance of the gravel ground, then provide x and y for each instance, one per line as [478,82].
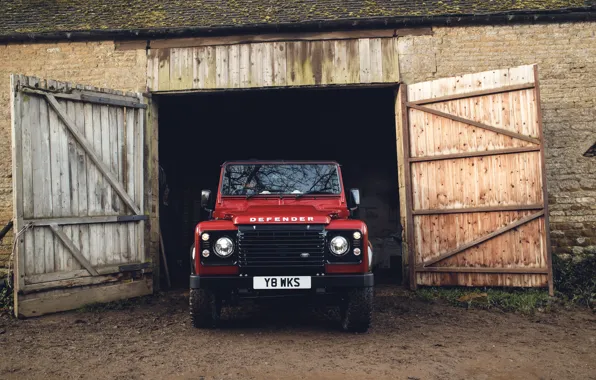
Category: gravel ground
[411,339]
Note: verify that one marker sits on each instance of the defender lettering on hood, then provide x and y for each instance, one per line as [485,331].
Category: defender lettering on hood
[283,219]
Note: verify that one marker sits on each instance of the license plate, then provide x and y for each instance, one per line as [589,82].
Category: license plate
[284,282]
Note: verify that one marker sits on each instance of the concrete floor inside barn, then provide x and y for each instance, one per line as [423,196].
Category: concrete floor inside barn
[410,339]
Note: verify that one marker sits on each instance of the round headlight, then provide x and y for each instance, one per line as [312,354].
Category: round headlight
[357,235]
[205,236]
[338,245]
[224,247]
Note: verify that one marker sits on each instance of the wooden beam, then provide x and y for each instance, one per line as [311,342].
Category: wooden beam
[549,247]
[483,153]
[75,131]
[68,299]
[476,124]
[468,210]
[403,99]
[483,270]
[90,97]
[484,238]
[87,220]
[71,282]
[473,94]
[131,45]
[74,250]
[102,270]
[255,38]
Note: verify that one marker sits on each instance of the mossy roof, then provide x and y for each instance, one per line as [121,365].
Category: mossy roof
[34,17]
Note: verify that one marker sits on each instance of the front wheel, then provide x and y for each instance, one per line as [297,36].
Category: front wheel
[356,310]
[205,308]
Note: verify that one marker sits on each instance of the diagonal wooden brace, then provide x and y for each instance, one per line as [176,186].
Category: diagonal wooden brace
[476,124]
[74,250]
[103,168]
[484,238]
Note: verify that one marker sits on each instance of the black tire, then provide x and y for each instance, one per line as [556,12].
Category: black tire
[356,310]
[205,308]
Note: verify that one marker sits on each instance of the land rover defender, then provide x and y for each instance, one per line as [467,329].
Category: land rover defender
[279,228]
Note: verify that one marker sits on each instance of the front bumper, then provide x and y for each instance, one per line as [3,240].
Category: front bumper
[365,280]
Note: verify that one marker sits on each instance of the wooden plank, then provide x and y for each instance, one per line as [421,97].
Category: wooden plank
[90,97]
[549,263]
[472,94]
[86,220]
[79,160]
[376,60]
[506,270]
[17,149]
[91,153]
[122,229]
[222,67]
[468,210]
[365,62]
[106,198]
[129,181]
[401,100]
[484,238]
[476,124]
[140,178]
[73,250]
[131,45]
[245,79]
[42,193]
[79,273]
[493,152]
[234,66]
[389,60]
[151,187]
[70,283]
[114,159]
[254,38]
[68,182]
[279,64]
[61,300]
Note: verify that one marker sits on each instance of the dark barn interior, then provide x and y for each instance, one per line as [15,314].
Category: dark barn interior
[355,127]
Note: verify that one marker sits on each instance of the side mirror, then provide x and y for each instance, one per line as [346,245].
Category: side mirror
[206,199]
[354,200]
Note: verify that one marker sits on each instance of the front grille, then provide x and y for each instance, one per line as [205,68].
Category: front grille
[281,249]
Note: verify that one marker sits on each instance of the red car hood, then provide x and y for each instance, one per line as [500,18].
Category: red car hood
[295,214]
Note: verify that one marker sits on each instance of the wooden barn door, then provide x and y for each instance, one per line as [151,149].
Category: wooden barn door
[78,196]
[475,180]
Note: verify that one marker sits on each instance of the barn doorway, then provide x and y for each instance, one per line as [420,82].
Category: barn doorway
[355,127]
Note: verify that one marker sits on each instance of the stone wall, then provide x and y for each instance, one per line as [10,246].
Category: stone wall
[566,55]
[96,64]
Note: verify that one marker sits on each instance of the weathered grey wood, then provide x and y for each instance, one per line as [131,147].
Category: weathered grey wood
[87,220]
[64,187]
[129,181]
[67,299]
[58,276]
[91,153]
[16,102]
[70,283]
[73,250]
[140,178]
[78,96]
[106,157]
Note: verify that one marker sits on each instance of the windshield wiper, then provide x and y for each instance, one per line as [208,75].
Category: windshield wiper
[312,193]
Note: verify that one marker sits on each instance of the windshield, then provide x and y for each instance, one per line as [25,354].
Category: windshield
[256,179]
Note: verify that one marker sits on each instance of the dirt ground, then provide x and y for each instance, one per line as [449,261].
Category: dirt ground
[411,339]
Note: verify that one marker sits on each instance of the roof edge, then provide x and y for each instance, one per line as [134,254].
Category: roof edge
[584,14]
